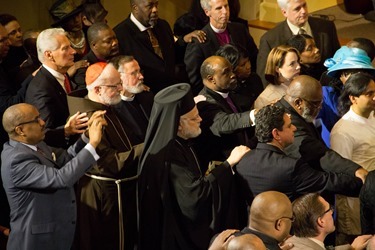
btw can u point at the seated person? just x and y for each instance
(314, 221)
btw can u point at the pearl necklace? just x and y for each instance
(80, 44)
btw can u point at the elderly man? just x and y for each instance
(219, 32)
(181, 207)
(103, 46)
(39, 181)
(297, 22)
(224, 125)
(48, 89)
(150, 40)
(293, 177)
(106, 194)
(136, 104)
(303, 100)
(352, 137)
(270, 219)
(314, 221)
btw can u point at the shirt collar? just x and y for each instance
(360, 119)
(318, 242)
(60, 77)
(224, 95)
(295, 28)
(33, 147)
(140, 26)
(127, 99)
(216, 30)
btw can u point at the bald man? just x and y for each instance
(270, 219)
(303, 101)
(246, 242)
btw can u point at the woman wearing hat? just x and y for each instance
(344, 63)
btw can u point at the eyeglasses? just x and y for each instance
(331, 208)
(314, 104)
(113, 86)
(134, 73)
(292, 219)
(36, 120)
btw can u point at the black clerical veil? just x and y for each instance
(169, 104)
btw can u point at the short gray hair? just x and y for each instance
(205, 4)
(47, 40)
(283, 4)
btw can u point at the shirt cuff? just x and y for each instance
(85, 138)
(252, 117)
(92, 150)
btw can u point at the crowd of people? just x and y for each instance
(144, 137)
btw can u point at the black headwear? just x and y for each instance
(62, 10)
(169, 104)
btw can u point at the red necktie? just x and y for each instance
(67, 84)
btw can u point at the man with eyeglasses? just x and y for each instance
(268, 167)
(107, 193)
(313, 222)
(303, 101)
(136, 100)
(270, 219)
(39, 180)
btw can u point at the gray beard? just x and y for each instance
(110, 101)
(306, 115)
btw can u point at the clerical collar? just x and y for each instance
(224, 95)
(127, 98)
(140, 26)
(295, 29)
(216, 30)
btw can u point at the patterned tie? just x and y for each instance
(155, 43)
(231, 104)
(302, 31)
(67, 84)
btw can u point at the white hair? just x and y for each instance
(283, 4)
(205, 4)
(47, 40)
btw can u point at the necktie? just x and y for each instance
(302, 31)
(155, 43)
(67, 84)
(231, 104)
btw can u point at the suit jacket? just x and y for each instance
(269, 242)
(197, 52)
(41, 195)
(309, 146)
(49, 97)
(323, 31)
(158, 72)
(307, 244)
(288, 175)
(222, 129)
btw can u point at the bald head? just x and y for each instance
(246, 242)
(15, 115)
(271, 213)
(304, 86)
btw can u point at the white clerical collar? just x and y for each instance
(295, 28)
(140, 26)
(127, 99)
(216, 30)
(318, 242)
(224, 95)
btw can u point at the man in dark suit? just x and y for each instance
(303, 101)
(218, 32)
(48, 89)
(39, 182)
(297, 22)
(103, 46)
(224, 125)
(293, 177)
(136, 101)
(150, 40)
